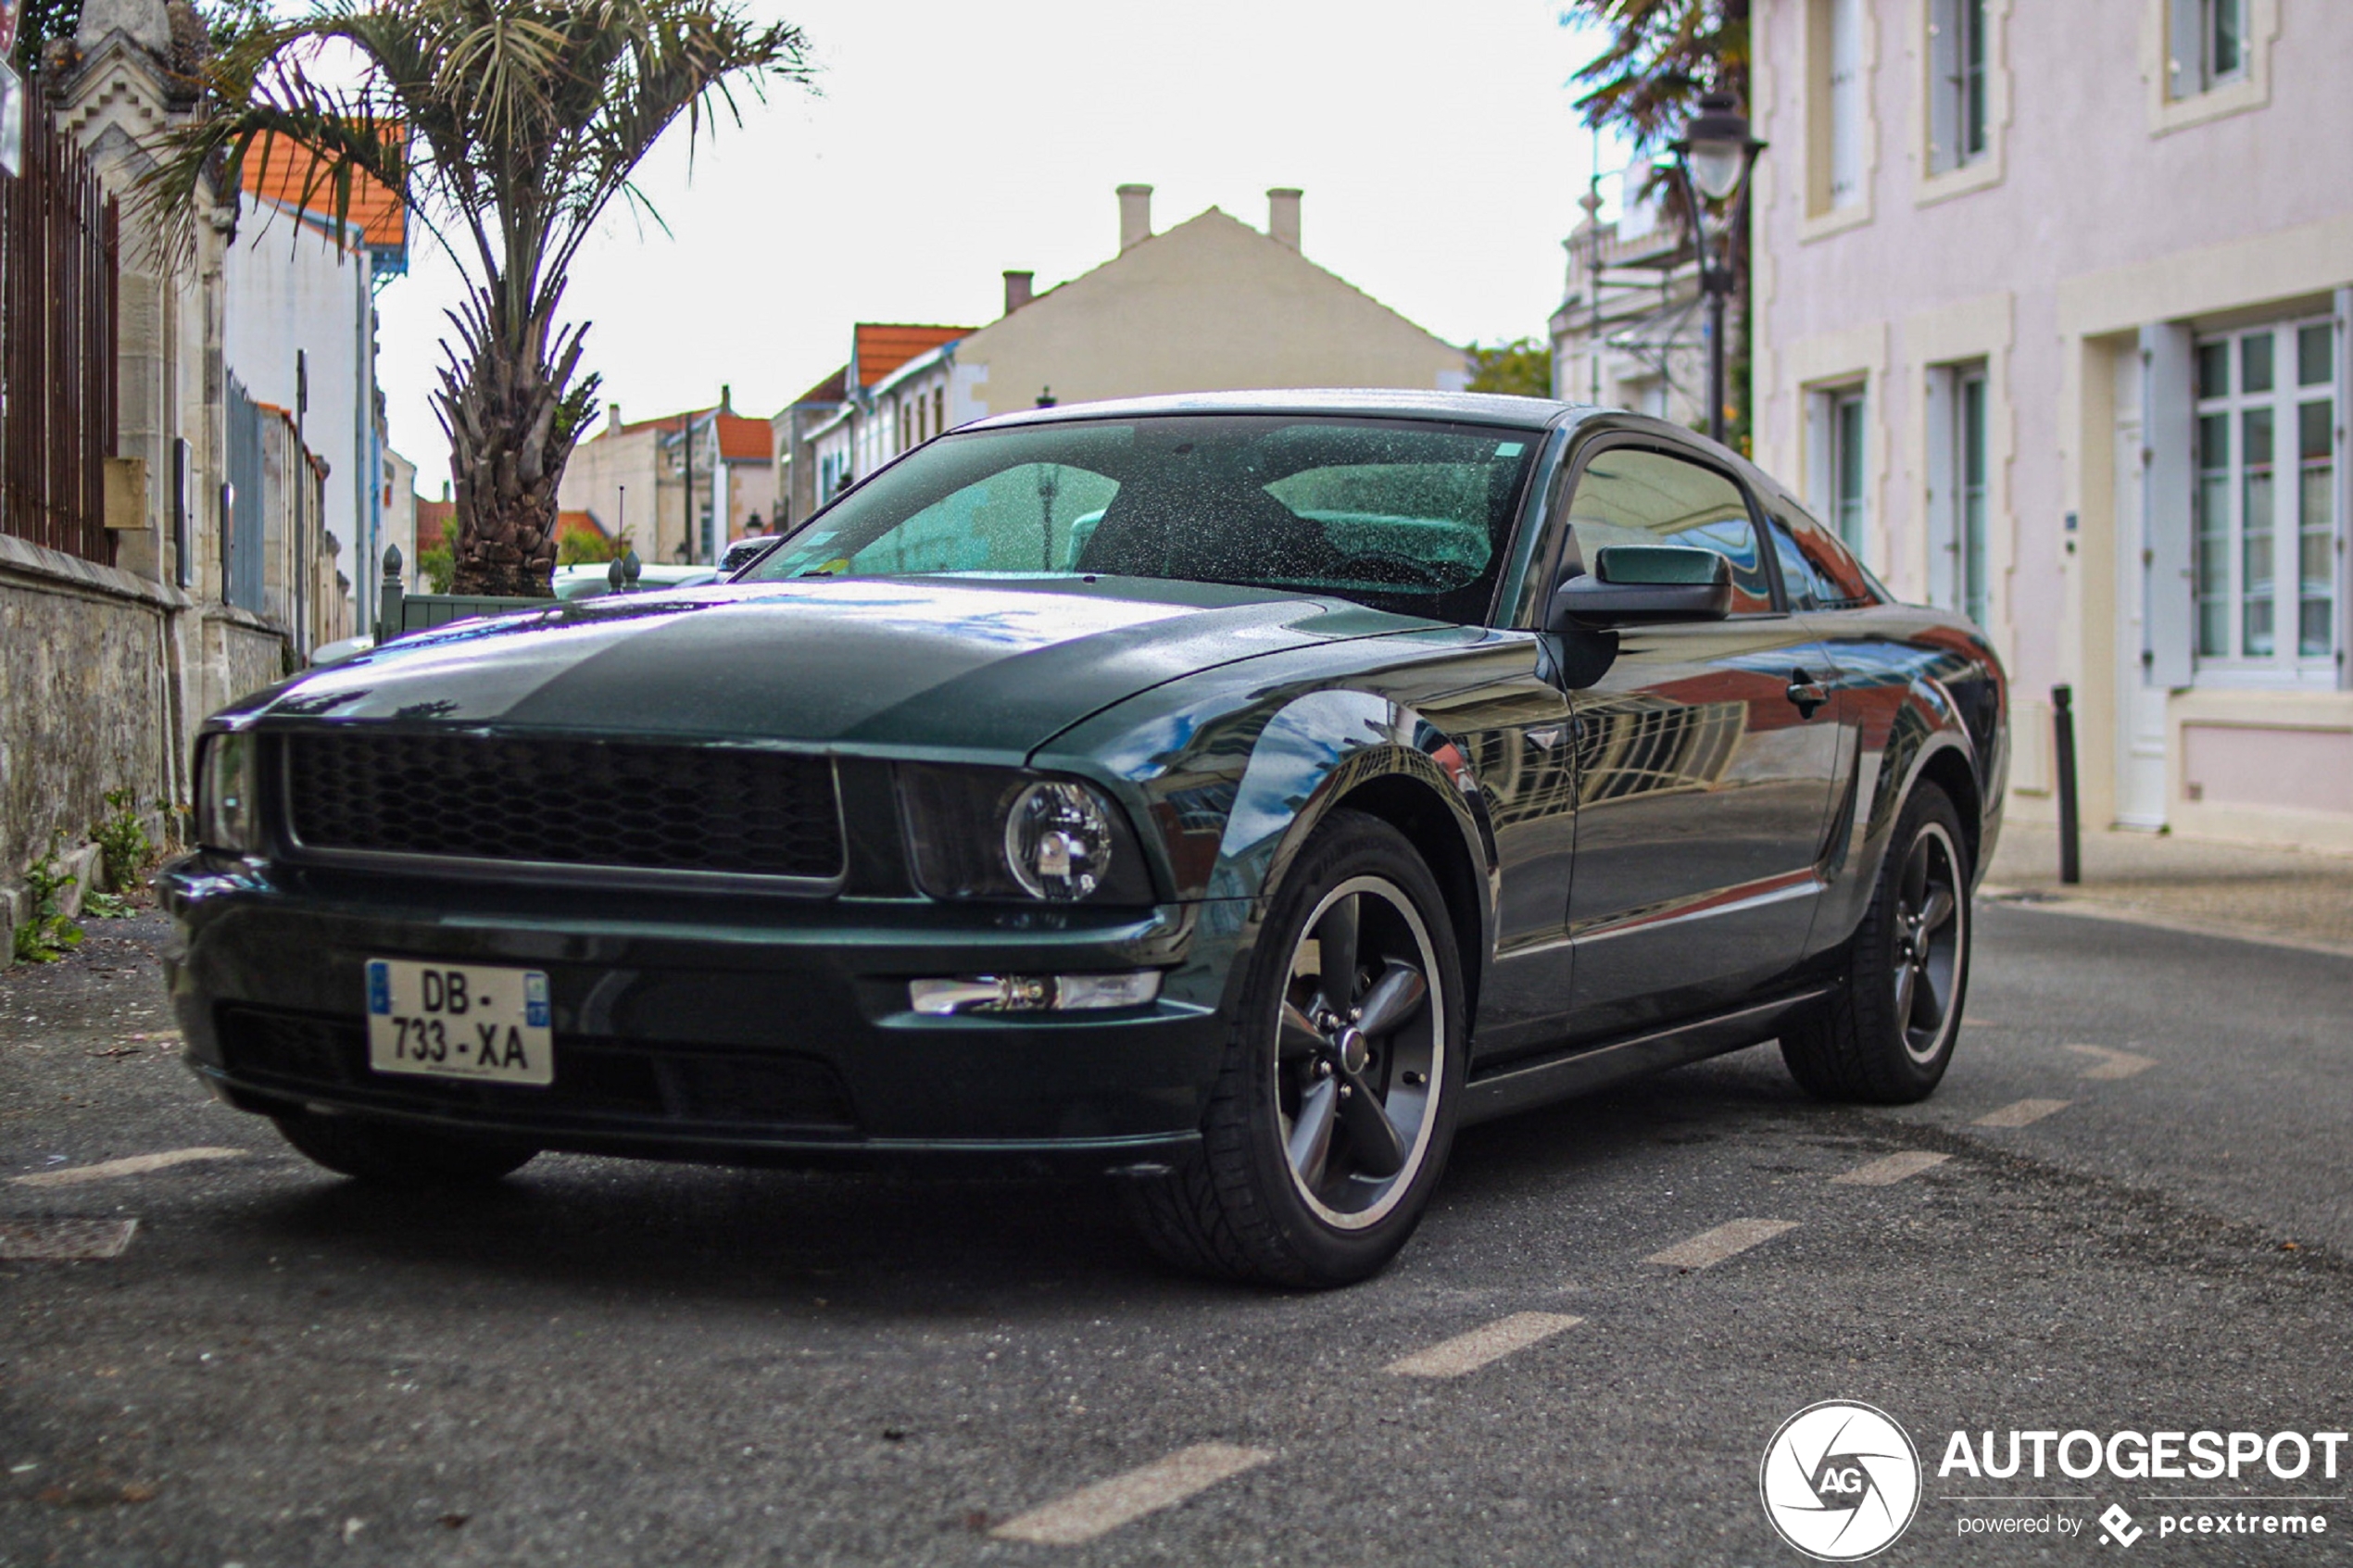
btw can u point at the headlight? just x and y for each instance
(225, 810)
(999, 833)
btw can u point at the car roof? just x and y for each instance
(1469, 408)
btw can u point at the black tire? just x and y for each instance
(1288, 1186)
(396, 1156)
(1856, 1046)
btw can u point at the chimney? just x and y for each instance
(1135, 215)
(612, 417)
(1017, 290)
(727, 398)
(1282, 216)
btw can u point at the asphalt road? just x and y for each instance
(615, 1364)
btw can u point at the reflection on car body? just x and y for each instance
(1236, 794)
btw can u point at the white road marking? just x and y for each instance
(1105, 1505)
(1467, 1353)
(2024, 1112)
(1711, 1247)
(2112, 1064)
(1895, 1168)
(137, 1164)
(55, 1241)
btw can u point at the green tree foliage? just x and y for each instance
(1522, 369)
(508, 127)
(584, 548)
(438, 562)
(37, 24)
(1661, 55)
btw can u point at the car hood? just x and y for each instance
(953, 664)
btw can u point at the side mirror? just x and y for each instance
(1643, 585)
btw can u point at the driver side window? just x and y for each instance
(1628, 496)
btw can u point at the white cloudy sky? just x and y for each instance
(947, 140)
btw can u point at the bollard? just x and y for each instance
(2063, 757)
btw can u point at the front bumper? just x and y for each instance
(709, 1026)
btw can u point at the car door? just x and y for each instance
(1705, 759)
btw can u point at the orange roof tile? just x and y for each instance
(833, 389)
(744, 440)
(881, 347)
(741, 439)
(280, 170)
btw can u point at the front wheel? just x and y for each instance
(1885, 1036)
(1331, 1121)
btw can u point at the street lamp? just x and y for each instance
(1713, 159)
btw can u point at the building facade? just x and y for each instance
(2051, 306)
(1631, 329)
(1210, 305)
(632, 478)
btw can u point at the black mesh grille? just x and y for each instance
(566, 802)
(272, 1047)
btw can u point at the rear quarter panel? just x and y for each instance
(1920, 692)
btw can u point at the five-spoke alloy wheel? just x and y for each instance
(1332, 1116)
(1360, 1044)
(1885, 1034)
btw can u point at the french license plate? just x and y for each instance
(453, 1021)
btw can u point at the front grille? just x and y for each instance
(626, 805)
(274, 1048)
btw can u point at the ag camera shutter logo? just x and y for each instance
(1841, 1481)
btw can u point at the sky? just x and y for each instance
(942, 143)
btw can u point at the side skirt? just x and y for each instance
(1521, 1086)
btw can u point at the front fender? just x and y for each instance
(1236, 795)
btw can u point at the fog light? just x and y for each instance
(1034, 993)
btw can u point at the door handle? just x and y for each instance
(1807, 692)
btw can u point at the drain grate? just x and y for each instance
(58, 1241)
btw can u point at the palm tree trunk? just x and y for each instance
(511, 420)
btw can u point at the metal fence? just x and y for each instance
(59, 250)
(244, 505)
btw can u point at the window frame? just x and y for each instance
(1553, 546)
(2282, 405)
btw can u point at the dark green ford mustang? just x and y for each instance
(1236, 794)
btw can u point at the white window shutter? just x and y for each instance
(1943, 492)
(1944, 92)
(2169, 476)
(1846, 101)
(1821, 485)
(2185, 49)
(2344, 490)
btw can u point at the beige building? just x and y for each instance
(2051, 312)
(1211, 305)
(632, 478)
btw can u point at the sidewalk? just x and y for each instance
(2280, 894)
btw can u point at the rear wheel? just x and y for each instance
(1885, 1036)
(1330, 1124)
(397, 1156)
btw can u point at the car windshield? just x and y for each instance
(1407, 514)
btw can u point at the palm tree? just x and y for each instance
(508, 127)
(1661, 55)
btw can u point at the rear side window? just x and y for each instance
(1815, 568)
(1628, 496)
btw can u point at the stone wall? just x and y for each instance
(85, 702)
(96, 689)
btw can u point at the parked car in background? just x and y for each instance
(1369, 763)
(741, 553)
(590, 581)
